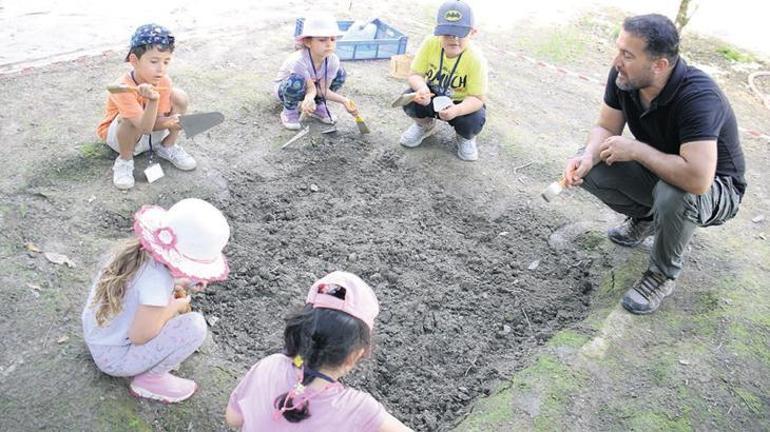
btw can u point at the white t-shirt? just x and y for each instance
(152, 285)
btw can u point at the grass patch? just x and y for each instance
(591, 240)
(620, 278)
(548, 382)
(564, 45)
(734, 55)
(120, 415)
(653, 421)
(489, 414)
(556, 381)
(569, 339)
(752, 402)
(94, 150)
(661, 368)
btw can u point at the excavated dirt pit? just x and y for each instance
(462, 298)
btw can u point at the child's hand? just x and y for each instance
(172, 123)
(147, 91)
(181, 304)
(183, 284)
(351, 107)
(308, 105)
(449, 113)
(423, 96)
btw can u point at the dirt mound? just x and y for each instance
(463, 295)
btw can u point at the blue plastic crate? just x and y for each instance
(387, 42)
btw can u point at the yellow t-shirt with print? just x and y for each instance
(470, 78)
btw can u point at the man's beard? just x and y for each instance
(628, 85)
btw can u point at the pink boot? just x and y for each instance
(162, 387)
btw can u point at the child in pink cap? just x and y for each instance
(299, 389)
(133, 323)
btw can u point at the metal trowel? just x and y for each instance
(405, 99)
(298, 135)
(193, 124)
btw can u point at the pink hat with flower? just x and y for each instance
(359, 299)
(188, 238)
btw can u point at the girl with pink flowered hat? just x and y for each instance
(299, 389)
(133, 323)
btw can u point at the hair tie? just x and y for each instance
(298, 361)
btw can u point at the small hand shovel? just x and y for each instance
(405, 99)
(300, 134)
(193, 124)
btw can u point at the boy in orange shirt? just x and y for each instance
(148, 116)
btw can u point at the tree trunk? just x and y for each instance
(683, 16)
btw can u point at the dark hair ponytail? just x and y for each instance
(323, 338)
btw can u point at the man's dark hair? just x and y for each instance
(658, 32)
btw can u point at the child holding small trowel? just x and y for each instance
(137, 321)
(312, 75)
(449, 77)
(143, 108)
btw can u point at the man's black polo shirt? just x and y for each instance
(691, 107)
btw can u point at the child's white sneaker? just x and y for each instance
(123, 173)
(177, 156)
(416, 133)
(466, 149)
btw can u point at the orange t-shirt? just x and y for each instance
(129, 105)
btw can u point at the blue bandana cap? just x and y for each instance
(152, 34)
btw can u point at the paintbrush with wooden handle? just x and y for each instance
(554, 189)
(362, 127)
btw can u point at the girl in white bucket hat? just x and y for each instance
(312, 74)
(136, 323)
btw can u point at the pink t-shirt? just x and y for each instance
(338, 409)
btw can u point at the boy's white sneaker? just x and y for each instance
(416, 133)
(177, 156)
(466, 149)
(123, 173)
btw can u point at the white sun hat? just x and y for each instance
(188, 238)
(321, 25)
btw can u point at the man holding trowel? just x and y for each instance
(448, 81)
(684, 167)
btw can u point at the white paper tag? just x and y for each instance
(153, 172)
(441, 103)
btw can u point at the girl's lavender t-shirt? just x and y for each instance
(338, 409)
(299, 63)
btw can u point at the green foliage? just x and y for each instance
(734, 55)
